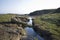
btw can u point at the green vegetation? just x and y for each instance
(6, 17)
(50, 23)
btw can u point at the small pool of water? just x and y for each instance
(32, 35)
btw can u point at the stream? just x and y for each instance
(31, 34)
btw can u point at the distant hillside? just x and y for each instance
(57, 10)
(46, 11)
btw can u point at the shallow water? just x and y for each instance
(32, 35)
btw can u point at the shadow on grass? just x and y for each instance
(7, 22)
(10, 23)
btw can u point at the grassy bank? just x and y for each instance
(6, 17)
(50, 23)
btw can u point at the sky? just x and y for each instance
(27, 6)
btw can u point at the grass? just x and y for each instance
(51, 23)
(6, 17)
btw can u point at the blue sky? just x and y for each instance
(27, 6)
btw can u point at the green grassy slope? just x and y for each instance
(6, 17)
(50, 23)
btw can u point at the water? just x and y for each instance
(30, 21)
(31, 34)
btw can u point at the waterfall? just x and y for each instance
(30, 21)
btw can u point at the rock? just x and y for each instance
(22, 31)
(11, 32)
(14, 30)
(19, 20)
(8, 36)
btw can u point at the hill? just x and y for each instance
(46, 11)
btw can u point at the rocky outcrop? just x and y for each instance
(11, 32)
(23, 20)
(8, 35)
